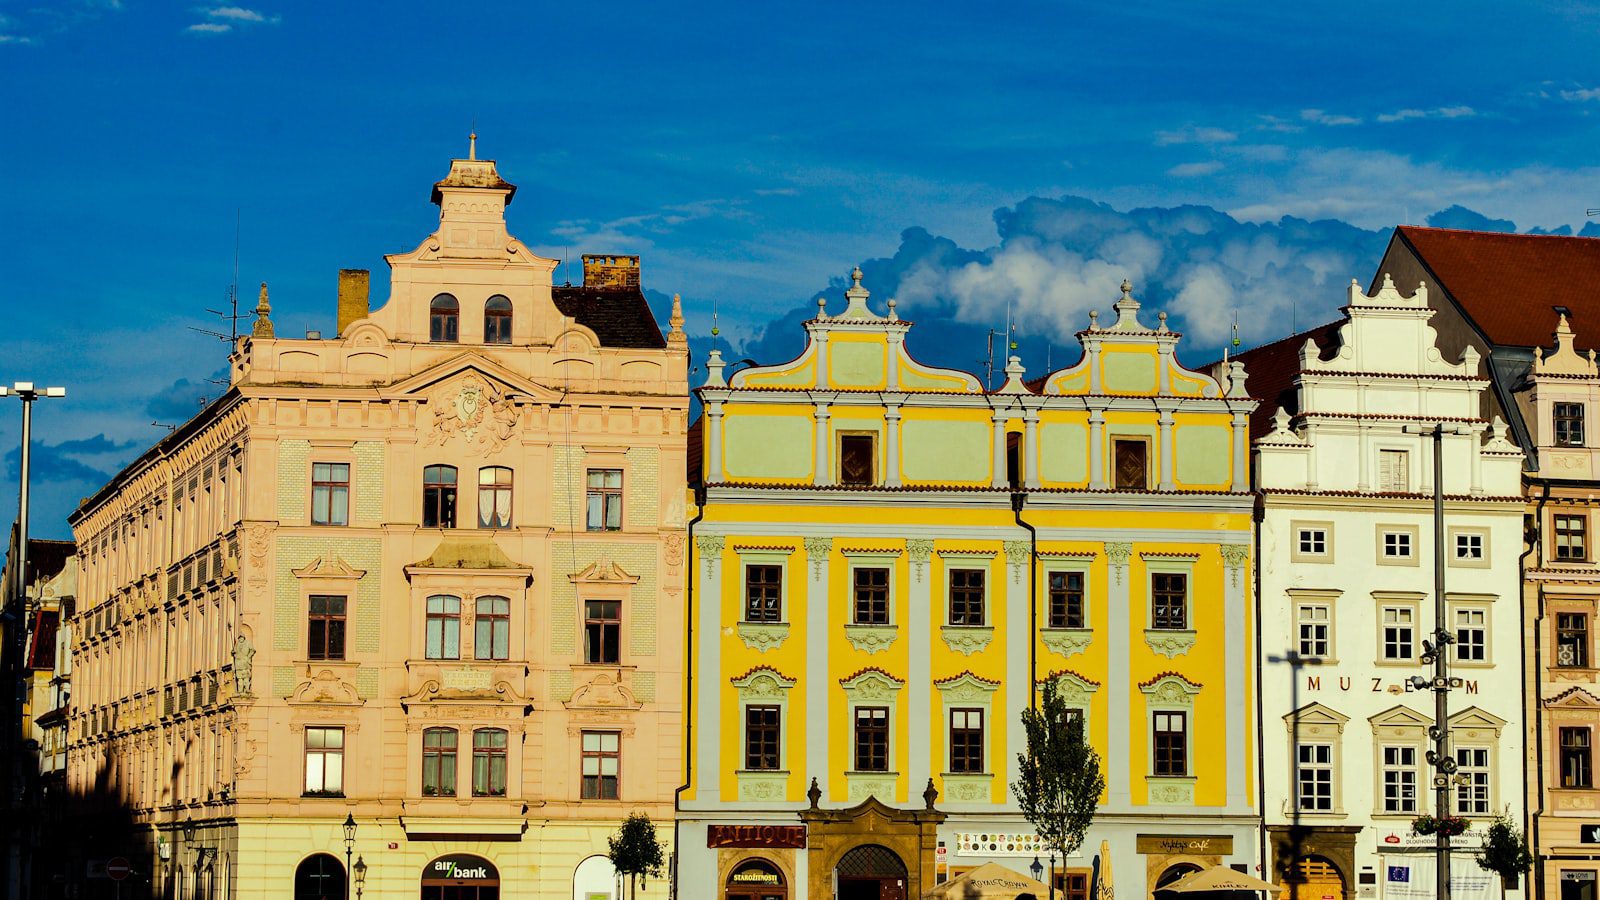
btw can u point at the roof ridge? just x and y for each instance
(1498, 234)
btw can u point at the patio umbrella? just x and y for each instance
(990, 880)
(1104, 890)
(1218, 878)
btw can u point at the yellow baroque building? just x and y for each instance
(886, 557)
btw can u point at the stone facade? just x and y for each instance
(371, 580)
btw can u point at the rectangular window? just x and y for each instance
(1472, 781)
(1312, 542)
(1472, 635)
(1169, 601)
(1577, 765)
(489, 762)
(494, 497)
(1394, 471)
(444, 627)
(872, 739)
(439, 497)
(763, 593)
(491, 625)
(1397, 545)
(857, 459)
(1132, 465)
(871, 595)
(325, 761)
(605, 500)
(1170, 744)
(601, 762)
(602, 632)
(1314, 777)
(1572, 640)
(966, 596)
(330, 493)
(1066, 600)
(1569, 424)
(1312, 621)
(1399, 779)
(325, 628)
(1399, 633)
(1572, 537)
(1469, 546)
(966, 741)
(439, 762)
(761, 736)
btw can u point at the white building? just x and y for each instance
(1346, 565)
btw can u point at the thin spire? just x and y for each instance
(675, 333)
(472, 141)
(263, 325)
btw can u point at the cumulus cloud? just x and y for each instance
(1190, 170)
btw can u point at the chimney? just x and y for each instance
(610, 272)
(353, 286)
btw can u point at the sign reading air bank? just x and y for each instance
(461, 868)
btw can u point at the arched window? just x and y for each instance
(1171, 876)
(755, 879)
(439, 762)
(319, 877)
(444, 319)
(489, 762)
(497, 320)
(494, 497)
(444, 627)
(439, 497)
(492, 628)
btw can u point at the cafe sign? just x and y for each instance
(1191, 844)
(770, 836)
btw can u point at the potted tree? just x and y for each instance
(1505, 851)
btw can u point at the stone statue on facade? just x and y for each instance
(243, 654)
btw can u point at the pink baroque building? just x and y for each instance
(422, 576)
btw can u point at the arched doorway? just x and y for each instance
(460, 876)
(871, 872)
(319, 877)
(595, 879)
(1313, 878)
(1171, 875)
(756, 879)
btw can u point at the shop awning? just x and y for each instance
(990, 880)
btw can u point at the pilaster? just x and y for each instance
(1118, 676)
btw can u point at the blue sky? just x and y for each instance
(974, 158)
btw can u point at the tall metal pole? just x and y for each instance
(1441, 676)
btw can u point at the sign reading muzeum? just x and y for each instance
(886, 556)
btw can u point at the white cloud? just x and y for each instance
(1322, 117)
(1274, 123)
(1191, 170)
(1581, 94)
(1443, 112)
(1195, 135)
(222, 19)
(235, 13)
(209, 28)
(15, 39)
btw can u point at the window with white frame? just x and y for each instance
(1469, 546)
(1313, 622)
(1398, 633)
(1568, 419)
(325, 761)
(1472, 781)
(1394, 471)
(1314, 777)
(1313, 541)
(1472, 634)
(1399, 779)
(1396, 545)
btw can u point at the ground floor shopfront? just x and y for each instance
(1378, 861)
(307, 859)
(876, 852)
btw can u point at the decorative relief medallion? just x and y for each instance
(817, 550)
(1171, 792)
(871, 638)
(877, 784)
(1067, 641)
(871, 686)
(476, 410)
(710, 547)
(1017, 553)
(966, 639)
(672, 554)
(919, 550)
(326, 687)
(967, 788)
(763, 636)
(1234, 557)
(762, 785)
(1170, 644)
(258, 540)
(1170, 690)
(1117, 553)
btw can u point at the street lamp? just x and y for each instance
(1037, 868)
(361, 875)
(349, 847)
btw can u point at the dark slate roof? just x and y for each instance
(697, 449)
(620, 317)
(1507, 284)
(1271, 370)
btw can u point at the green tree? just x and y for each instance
(1061, 779)
(635, 852)
(1505, 850)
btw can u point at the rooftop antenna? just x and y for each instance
(714, 329)
(1234, 342)
(232, 316)
(988, 362)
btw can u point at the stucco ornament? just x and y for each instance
(710, 547)
(1234, 557)
(966, 688)
(1017, 553)
(966, 639)
(870, 638)
(244, 654)
(871, 686)
(1117, 553)
(763, 636)
(919, 549)
(817, 550)
(476, 410)
(967, 788)
(1067, 641)
(1168, 643)
(1170, 690)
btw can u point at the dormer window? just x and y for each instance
(1569, 424)
(444, 320)
(497, 320)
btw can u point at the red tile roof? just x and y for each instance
(1507, 284)
(1271, 369)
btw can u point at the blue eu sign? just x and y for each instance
(1400, 874)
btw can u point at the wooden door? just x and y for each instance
(1132, 465)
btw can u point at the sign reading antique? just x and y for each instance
(781, 836)
(1198, 844)
(461, 867)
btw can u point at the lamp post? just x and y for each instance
(349, 848)
(177, 857)
(1037, 868)
(11, 653)
(360, 870)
